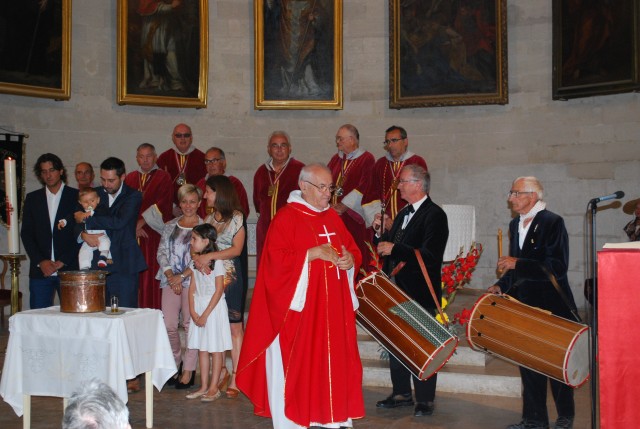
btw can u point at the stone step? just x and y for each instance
(498, 378)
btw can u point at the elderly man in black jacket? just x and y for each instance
(538, 245)
(420, 225)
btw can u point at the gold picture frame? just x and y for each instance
(308, 75)
(35, 58)
(596, 48)
(447, 53)
(163, 53)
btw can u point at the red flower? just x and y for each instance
(458, 272)
(463, 317)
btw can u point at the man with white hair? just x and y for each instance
(95, 406)
(302, 318)
(538, 245)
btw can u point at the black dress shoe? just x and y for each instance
(423, 409)
(180, 385)
(395, 401)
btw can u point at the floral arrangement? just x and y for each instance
(455, 276)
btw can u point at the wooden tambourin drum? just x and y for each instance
(530, 337)
(82, 291)
(403, 327)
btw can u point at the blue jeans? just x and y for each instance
(41, 291)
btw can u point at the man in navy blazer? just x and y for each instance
(537, 238)
(420, 225)
(49, 249)
(124, 204)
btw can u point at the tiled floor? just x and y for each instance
(172, 410)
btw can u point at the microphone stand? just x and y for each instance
(594, 319)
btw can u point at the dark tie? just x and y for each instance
(410, 208)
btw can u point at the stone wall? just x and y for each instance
(580, 149)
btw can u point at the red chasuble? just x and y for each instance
(270, 192)
(237, 185)
(381, 188)
(192, 165)
(354, 177)
(321, 363)
(153, 186)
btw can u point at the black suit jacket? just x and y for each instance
(427, 231)
(120, 224)
(546, 243)
(37, 235)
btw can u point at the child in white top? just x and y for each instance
(211, 334)
(89, 200)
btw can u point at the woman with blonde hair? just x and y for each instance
(174, 257)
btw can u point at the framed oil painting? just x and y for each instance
(163, 52)
(12, 145)
(447, 53)
(595, 48)
(35, 48)
(298, 54)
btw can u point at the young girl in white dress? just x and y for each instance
(211, 334)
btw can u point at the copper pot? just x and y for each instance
(82, 291)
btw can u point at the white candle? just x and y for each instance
(11, 190)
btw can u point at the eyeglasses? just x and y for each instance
(323, 187)
(340, 138)
(209, 161)
(181, 135)
(516, 194)
(278, 146)
(387, 142)
(407, 181)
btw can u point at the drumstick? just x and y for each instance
(499, 243)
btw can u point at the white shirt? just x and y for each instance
(409, 215)
(53, 201)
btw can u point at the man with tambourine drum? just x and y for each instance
(538, 252)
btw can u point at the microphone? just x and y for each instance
(614, 196)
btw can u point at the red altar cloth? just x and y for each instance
(618, 337)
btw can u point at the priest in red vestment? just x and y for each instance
(351, 171)
(215, 162)
(154, 211)
(184, 162)
(272, 184)
(383, 188)
(302, 317)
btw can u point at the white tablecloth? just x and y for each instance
(51, 353)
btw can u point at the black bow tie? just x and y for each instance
(410, 208)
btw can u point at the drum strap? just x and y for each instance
(433, 292)
(554, 282)
(564, 297)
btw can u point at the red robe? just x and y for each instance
(192, 164)
(266, 205)
(237, 185)
(321, 362)
(384, 173)
(354, 177)
(154, 191)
